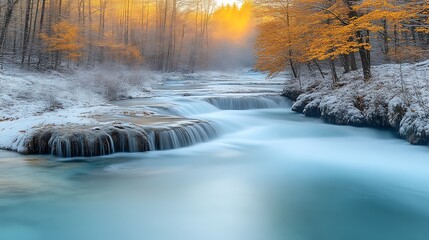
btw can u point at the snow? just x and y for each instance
(29, 100)
(397, 97)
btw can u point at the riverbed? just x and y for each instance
(272, 174)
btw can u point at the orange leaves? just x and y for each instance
(272, 47)
(64, 39)
(282, 32)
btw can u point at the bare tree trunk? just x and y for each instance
(192, 59)
(172, 38)
(365, 56)
(57, 54)
(182, 38)
(385, 38)
(146, 29)
(320, 69)
(333, 71)
(352, 58)
(42, 17)
(162, 40)
(26, 31)
(8, 16)
(292, 66)
(33, 34)
(89, 33)
(345, 60)
(101, 27)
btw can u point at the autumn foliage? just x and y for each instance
(296, 32)
(64, 39)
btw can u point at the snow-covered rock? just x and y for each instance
(108, 138)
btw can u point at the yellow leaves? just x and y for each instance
(369, 5)
(283, 31)
(423, 29)
(64, 39)
(330, 42)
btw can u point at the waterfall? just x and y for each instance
(246, 103)
(191, 107)
(185, 108)
(85, 141)
(81, 141)
(185, 135)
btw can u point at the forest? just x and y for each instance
(187, 35)
(347, 33)
(165, 35)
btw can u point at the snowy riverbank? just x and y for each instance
(396, 98)
(51, 111)
(29, 100)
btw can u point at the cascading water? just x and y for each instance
(247, 103)
(85, 141)
(184, 107)
(187, 107)
(185, 135)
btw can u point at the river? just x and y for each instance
(272, 174)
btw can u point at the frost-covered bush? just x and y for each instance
(134, 79)
(115, 84)
(112, 89)
(52, 103)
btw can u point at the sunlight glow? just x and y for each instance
(233, 25)
(230, 2)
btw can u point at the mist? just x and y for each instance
(226, 56)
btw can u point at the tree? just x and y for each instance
(64, 40)
(10, 5)
(279, 44)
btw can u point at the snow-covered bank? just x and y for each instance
(44, 112)
(29, 100)
(396, 98)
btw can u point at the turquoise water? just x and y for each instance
(272, 175)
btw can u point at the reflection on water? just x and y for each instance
(274, 175)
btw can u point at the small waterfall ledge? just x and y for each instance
(248, 102)
(192, 107)
(110, 138)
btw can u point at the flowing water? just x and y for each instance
(271, 174)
